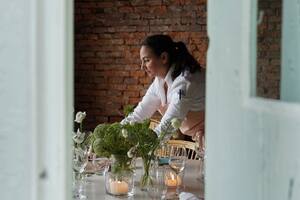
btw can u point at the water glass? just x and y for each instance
(79, 192)
(177, 161)
(157, 189)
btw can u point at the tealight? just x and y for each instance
(172, 180)
(118, 187)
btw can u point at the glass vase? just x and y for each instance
(121, 184)
(146, 179)
(119, 179)
(157, 189)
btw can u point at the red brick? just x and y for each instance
(134, 101)
(130, 81)
(145, 80)
(126, 9)
(159, 10)
(116, 87)
(142, 93)
(101, 119)
(85, 67)
(154, 2)
(137, 2)
(134, 87)
(115, 79)
(115, 119)
(131, 94)
(138, 73)
(87, 54)
(105, 4)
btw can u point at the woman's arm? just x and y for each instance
(146, 108)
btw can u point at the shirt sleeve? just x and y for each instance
(184, 93)
(146, 108)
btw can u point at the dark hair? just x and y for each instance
(177, 52)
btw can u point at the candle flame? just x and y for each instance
(172, 176)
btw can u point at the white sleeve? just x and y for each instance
(183, 96)
(146, 108)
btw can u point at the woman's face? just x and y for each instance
(154, 65)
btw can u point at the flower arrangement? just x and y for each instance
(124, 142)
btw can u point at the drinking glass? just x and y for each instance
(157, 189)
(177, 161)
(80, 160)
(200, 151)
(96, 165)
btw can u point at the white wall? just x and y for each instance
(16, 138)
(290, 56)
(36, 99)
(253, 150)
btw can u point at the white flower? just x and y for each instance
(131, 123)
(79, 117)
(130, 153)
(175, 123)
(79, 137)
(124, 133)
(112, 157)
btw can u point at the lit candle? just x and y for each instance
(118, 187)
(172, 180)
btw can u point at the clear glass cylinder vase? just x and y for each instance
(119, 179)
(145, 180)
(157, 188)
(121, 184)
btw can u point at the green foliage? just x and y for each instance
(108, 140)
(100, 130)
(121, 164)
(141, 134)
(128, 109)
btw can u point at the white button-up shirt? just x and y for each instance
(186, 93)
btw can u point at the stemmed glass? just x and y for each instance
(200, 150)
(80, 160)
(177, 161)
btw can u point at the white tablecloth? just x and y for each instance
(95, 189)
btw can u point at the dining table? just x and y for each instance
(192, 184)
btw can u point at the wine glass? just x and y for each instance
(200, 151)
(177, 161)
(80, 160)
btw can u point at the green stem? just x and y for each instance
(146, 179)
(81, 125)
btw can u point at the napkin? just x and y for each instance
(187, 196)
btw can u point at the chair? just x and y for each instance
(189, 146)
(153, 123)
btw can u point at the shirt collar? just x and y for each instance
(168, 77)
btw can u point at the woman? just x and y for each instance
(178, 89)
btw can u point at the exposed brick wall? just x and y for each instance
(107, 38)
(268, 49)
